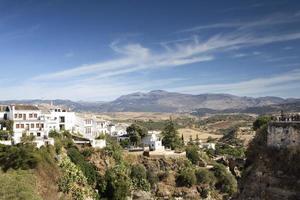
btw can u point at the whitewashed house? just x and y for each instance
(27, 120)
(153, 141)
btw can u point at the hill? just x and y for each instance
(172, 102)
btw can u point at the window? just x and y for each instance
(30, 115)
(16, 115)
(88, 130)
(62, 119)
(20, 115)
(22, 125)
(32, 125)
(42, 125)
(38, 134)
(17, 125)
(37, 125)
(35, 115)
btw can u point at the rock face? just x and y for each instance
(271, 172)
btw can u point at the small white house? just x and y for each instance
(153, 141)
(98, 143)
(207, 146)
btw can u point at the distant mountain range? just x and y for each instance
(163, 101)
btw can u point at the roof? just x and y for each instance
(26, 107)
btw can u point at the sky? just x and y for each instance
(99, 50)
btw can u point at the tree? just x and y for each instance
(186, 178)
(261, 121)
(118, 183)
(192, 154)
(139, 177)
(225, 180)
(170, 136)
(135, 133)
(204, 176)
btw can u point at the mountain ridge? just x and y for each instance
(164, 101)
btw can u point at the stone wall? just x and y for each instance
(283, 134)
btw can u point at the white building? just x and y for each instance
(27, 121)
(31, 120)
(153, 141)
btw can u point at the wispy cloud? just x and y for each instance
(274, 19)
(258, 86)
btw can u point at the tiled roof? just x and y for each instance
(26, 107)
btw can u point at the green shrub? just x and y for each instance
(204, 176)
(192, 154)
(261, 121)
(73, 181)
(88, 169)
(152, 177)
(18, 157)
(138, 176)
(204, 192)
(186, 178)
(118, 183)
(226, 182)
(113, 149)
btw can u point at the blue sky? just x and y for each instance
(99, 50)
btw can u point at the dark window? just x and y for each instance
(62, 119)
(38, 134)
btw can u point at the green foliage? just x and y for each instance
(18, 184)
(18, 157)
(192, 154)
(204, 192)
(54, 134)
(225, 149)
(125, 143)
(9, 124)
(230, 136)
(225, 180)
(113, 149)
(88, 169)
(204, 176)
(135, 133)
(170, 136)
(101, 136)
(186, 178)
(118, 183)
(5, 135)
(152, 177)
(138, 176)
(261, 121)
(73, 181)
(27, 139)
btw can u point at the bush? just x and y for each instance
(139, 177)
(18, 157)
(73, 181)
(192, 154)
(261, 121)
(152, 177)
(186, 178)
(118, 183)
(225, 180)
(114, 149)
(204, 176)
(88, 169)
(204, 192)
